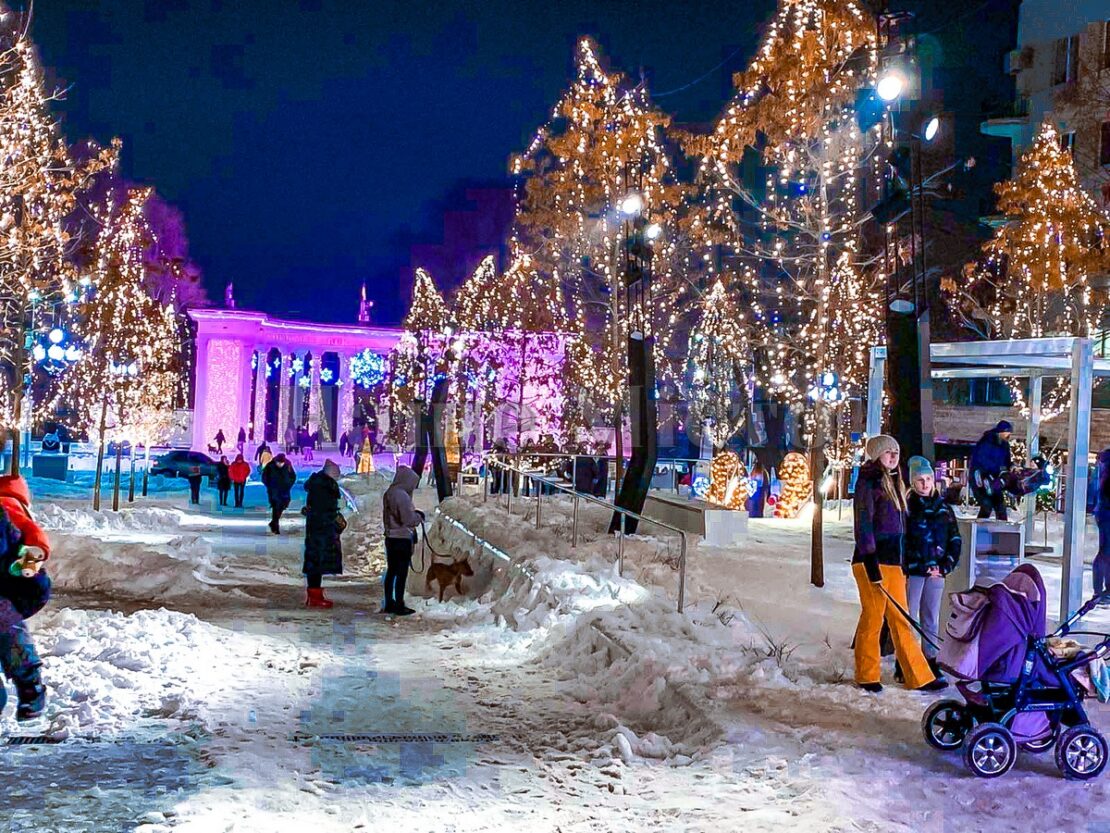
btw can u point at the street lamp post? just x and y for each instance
(643, 418)
(907, 315)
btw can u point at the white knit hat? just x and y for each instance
(879, 445)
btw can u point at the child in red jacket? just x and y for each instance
(24, 591)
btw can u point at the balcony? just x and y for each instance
(1009, 122)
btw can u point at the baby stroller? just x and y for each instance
(1016, 692)
(1024, 481)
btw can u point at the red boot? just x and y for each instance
(316, 598)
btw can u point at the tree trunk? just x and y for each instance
(817, 452)
(100, 456)
(131, 481)
(115, 485)
(146, 468)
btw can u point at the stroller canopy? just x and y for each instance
(987, 631)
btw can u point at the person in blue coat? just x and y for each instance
(990, 461)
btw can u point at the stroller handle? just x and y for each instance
(1088, 606)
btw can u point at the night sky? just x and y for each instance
(309, 143)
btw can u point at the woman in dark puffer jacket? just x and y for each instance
(880, 526)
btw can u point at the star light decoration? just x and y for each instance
(605, 140)
(1034, 279)
(40, 180)
(795, 253)
(124, 386)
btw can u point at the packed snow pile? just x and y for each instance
(656, 676)
(363, 540)
(105, 672)
(178, 567)
(80, 520)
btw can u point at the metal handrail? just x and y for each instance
(573, 455)
(624, 513)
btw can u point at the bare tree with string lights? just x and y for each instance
(792, 243)
(122, 389)
(40, 181)
(1034, 278)
(602, 156)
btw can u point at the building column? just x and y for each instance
(285, 394)
(346, 410)
(260, 395)
(316, 401)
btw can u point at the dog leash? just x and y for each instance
(424, 543)
(910, 619)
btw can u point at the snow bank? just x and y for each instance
(134, 554)
(363, 540)
(173, 569)
(105, 671)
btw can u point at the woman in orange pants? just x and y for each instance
(880, 525)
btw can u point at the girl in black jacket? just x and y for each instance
(932, 551)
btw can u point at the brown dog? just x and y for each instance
(448, 574)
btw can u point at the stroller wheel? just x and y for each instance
(1081, 753)
(945, 724)
(990, 750)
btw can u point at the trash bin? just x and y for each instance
(991, 550)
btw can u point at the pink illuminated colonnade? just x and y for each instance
(227, 373)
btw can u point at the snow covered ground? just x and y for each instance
(195, 694)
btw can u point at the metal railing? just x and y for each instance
(542, 480)
(573, 456)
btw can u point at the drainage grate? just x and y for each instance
(32, 740)
(442, 737)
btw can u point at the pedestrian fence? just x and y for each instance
(542, 480)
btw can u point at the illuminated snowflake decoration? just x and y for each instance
(304, 381)
(701, 486)
(367, 369)
(327, 375)
(298, 365)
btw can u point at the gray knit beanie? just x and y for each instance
(878, 445)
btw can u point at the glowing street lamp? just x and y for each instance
(632, 204)
(891, 85)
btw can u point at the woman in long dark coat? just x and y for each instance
(323, 554)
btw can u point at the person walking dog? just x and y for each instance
(400, 519)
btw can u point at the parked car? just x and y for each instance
(180, 463)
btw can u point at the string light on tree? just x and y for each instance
(794, 475)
